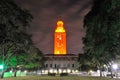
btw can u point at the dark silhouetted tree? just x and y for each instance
(102, 40)
(15, 43)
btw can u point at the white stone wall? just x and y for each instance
(61, 64)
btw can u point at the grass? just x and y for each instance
(57, 78)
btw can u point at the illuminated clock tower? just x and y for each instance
(60, 61)
(60, 39)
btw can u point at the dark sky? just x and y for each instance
(46, 13)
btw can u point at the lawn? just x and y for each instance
(57, 78)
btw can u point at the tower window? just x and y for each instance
(51, 65)
(73, 65)
(68, 65)
(55, 66)
(46, 65)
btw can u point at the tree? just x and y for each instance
(13, 24)
(15, 43)
(35, 60)
(102, 40)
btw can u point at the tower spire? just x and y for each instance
(60, 27)
(60, 39)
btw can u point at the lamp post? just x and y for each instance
(114, 68)
(3, 57)
(1, 67)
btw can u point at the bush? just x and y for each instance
(64, 74)
(51, 74)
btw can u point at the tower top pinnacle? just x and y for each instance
(60, 27)
(60, 23)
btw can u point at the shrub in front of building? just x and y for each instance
(51, 74)
(64, 74)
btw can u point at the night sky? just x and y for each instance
(46, 13)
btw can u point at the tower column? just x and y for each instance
(60, 39)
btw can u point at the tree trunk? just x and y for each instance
(100, 73)
(111, 73)
(100, 68)
(2, 75)
(15, 73)
(36, 71)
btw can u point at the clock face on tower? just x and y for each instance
(60, 39)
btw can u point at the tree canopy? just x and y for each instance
(15, 44)
(102, 40)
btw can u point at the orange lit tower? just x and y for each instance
(60, 39)
(60, 60)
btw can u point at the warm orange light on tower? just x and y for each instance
(60, 39)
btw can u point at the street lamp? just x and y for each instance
(115, 66)
(1, 67)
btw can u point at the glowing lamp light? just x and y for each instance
(51, 70)
(42, 71)
(90, 71)
(10, 71)
(55, 71)
(1, 66)
(115, 66)
(76, 71)
(98, 71)
(46, 71)
(60, 71)
(64, 71)
(25, 71)
(68, 70)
